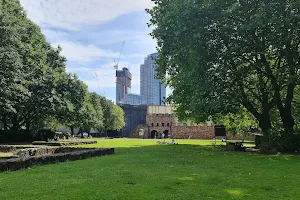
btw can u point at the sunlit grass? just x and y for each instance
(4, 155)
(143, 169)
(127, 143)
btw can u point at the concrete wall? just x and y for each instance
(134, 116)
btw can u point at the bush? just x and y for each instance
(281, 141)
(258, 140)
(44, 135)
(67, 135)
(15, 136)
(60, 135)
(289, 143)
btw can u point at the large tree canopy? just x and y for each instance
(34, 85)
(220, 55)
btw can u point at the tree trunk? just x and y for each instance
(285, 108)
(288, 121)
(72, 130)
(15, 124)
(4, 123)
(27, 128)
(264, 122)
(263, 118)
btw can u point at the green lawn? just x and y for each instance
(141, 169)
(4, 155)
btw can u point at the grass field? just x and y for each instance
(141, 169)
(3, 155)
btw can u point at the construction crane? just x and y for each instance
(96, 76)
(117, 63)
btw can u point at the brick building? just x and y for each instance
(162, 122)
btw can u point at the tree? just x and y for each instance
(108, 120)
(242, 123)
(72, 102)
(30, 70)
(220, 55)
(95, 100)
(34, 85)
(118, 118)
(296, 107)
(113, 116)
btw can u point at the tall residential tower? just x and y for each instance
(152, 91)
(123, 84)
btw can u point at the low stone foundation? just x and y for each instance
(59, 155)
(11, 148)
(65, 142)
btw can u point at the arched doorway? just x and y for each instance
(154, 134)
(166, 132)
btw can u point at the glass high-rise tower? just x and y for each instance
(151, 90)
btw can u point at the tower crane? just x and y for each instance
(117, 63)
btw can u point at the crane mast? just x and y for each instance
(117, 63)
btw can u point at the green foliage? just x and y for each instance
(219, 55)
(281, 141)
(44, 135)
(36, 91)
(9, 136)
(113, 116)
(28, 76)
(96, 102)
(118, 118)
(242, 123)
(296, 108)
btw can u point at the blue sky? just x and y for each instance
(91, 33)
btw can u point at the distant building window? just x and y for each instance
(168, 124)
(163, 124)
(157, 124)
(152, 124)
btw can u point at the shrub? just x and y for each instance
(258, 140)
(44, 135)
(289, 143)
(67, 135)
(281, 141)
(15, 136)
(59, 134)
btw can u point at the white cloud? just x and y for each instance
(75, 25)
(72, 14)
(140, 40)
(105, 75)
(77, 52)
(55, 36)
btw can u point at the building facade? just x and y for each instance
(133, 99)
(161, 122)
(152, 91)
(123, 84)
(135, 115)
